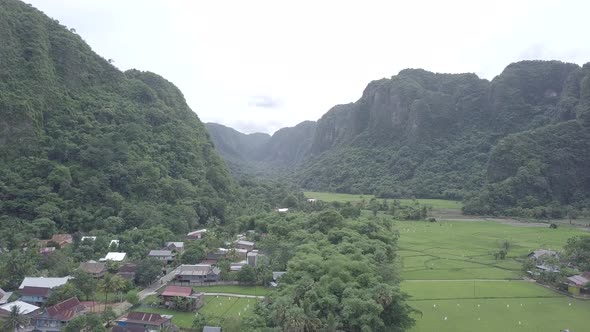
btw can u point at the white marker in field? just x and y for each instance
(478, 318)
(434, 305)
(478, 305)
(445, 317)
(570, 304)
(508, 306)
(519, 323)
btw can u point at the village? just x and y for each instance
(44, 303)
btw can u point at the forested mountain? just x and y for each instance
(454, 136)
(85, 146)
(261, 154)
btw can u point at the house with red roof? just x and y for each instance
(141, 321)
(190, 299)
(56, 317)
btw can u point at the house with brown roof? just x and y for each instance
(177, 247)
(35, 295)
(170, 295)
(56, 317)
(62, 239)
(96, 269)
(135, 321)
(127, 271)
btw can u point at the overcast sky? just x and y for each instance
(262, 65)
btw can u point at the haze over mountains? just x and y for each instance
(524, 134)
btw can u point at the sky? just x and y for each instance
(258, 66)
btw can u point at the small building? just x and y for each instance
(134, 320)
(43, 282)
(127, 271)
(114, 256)
(162, 255)
(220, 253)
(234, 267)
(56, 317)
(46, 250)
(252, 257)
(196, 235)
(211, 329)
(243, 244)
(197, 273)
(24, 308)
(114, 244)
(195, 300)
(4, 296)
(96, 269)
(577, 283)
(35, 295)
(88, 238)
(283, 210)
(542, 253)
(311, 200)
(175, 247)
(275, 278)
(62, 240)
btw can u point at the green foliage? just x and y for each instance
(89, 322)
(132, 297)
(63, 293)
(148, 270)
(340, 272)
(247, 274)
(577, 251)
(84, 282)
(193, 253)
(84, 146)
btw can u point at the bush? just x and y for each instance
(431, 219)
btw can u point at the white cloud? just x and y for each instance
(311, 55)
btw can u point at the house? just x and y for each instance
(4, 296)
(62, 239)
(47, 250)
(35, 295)
(542, 253)
(24, 308)
(577, 283)
(175, 246)
(196, 300)
(96, 269)
(234, 267)
(283, 210)
(114, 244)
(275, 278)
(311, 200)
(88, 238)
(56, 317)
(211, 329)
(196, 235)
(197, 273)
(220, 253)
(127, 271)
(252, 257)
(43, 282)
(162, 255)
(141, 321)
(114, 256)
(243, 244)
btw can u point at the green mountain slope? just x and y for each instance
(435, 135)
(84, 145)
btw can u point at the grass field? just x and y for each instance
(234, 289)
(450, 272)
(217, 308)
(334, 197)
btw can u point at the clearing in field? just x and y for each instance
(456, 283)
(335, 197)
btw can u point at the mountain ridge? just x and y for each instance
(431, 135)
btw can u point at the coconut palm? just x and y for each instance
(16, 320)
(111, 283)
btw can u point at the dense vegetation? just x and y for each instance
(510, 146)
(341, 274)
(84, 146)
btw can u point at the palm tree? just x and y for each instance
(113, 283)
(16, 320)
